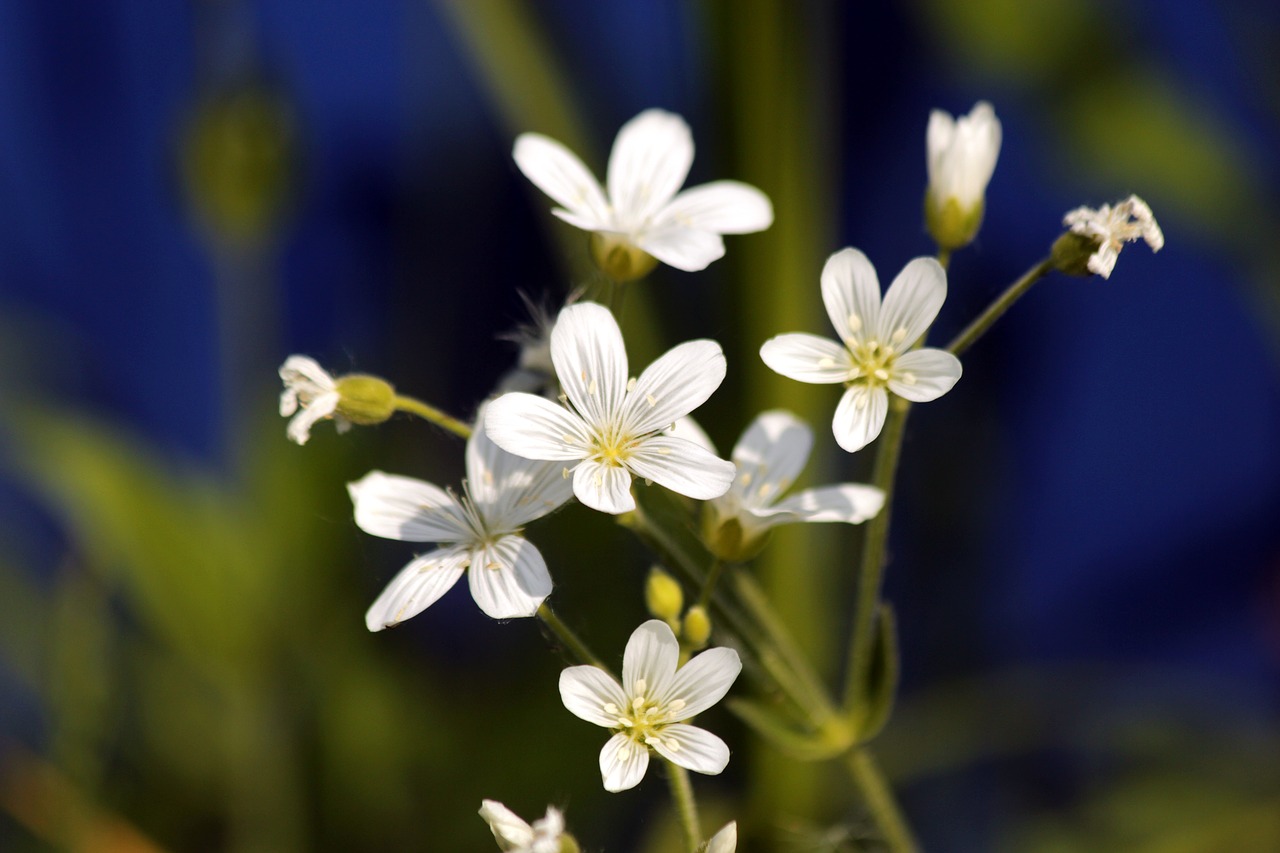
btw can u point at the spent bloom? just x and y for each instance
(646, 710)
(769, 456)
(545, 835)
(961, 157)
(641, 217)
(613, 427)
(724, 841)
(1103, 232)
(479, 530)
(311, 395)
(875, 354)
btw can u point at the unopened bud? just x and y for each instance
(619, 259)
(365, 400)
(663, 596)
(697, 627)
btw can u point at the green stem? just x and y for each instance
(978, 327)
(709, 585)
(878, 796)
(432, 414)
(686, 806)
(570, 640)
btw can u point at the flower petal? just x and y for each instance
(317, 409)
(509, 578)
(689, 429)
(848, 502)
(533, 427)
(692, 748)
(703, 681)
(590, 360)
(769, 456)
(606, 488)
(911, 303)
(587, 690)
(675, 384)
(622, 763)
(406, 509)
(851, 294)
(859, 417)
(807, 358)
(688, 249)
(724, 841)
(509, 490)
(650, 160)
(301, 369)
(418, 585)
(721, 207)
(924, 374)
(682, 467)
(651, 656)
(508, 829)
(559, 173)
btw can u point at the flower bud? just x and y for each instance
(365, 400)
(620, 260)
(1071, 252)
(663, 596)
(726, 537)
(961, 157)
(697, 628)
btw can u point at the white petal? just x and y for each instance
(535, 428)
(924, 374)
(848, 502)
(509, 578)
(418, 585)
(693, 749)
(406, 509)
(559, 173)
(682, 467)
(941, 131)
(689, 429)
(721, 207)
(590, 360)
(859, 417)
(807, 358)
(724, 841)
(300, 369)
(509, 490)
(606, 488)
(651, 656)
(911, 303)
(509, 830)
(317, 409)
(851, 294)
(649, 162)
(703, 681)
(688, 249)
(769, 456)
(622, 763)
(678, 382)
(587, 690)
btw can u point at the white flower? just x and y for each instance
(769, 456)
(962, 154)
(874, 355)
(479, 530)
(614, 427)
(724, 841)
(646, 710)
(516, 836)
(309, 386)
(649, 162)
(1111, 227)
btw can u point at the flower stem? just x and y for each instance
(709, 585)
(978, 327)
(432, 414)
(878, 796)
(686, 806)
(570, 640)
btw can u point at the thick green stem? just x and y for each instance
(987, 318)
(686, 806)
(879, 799)
(568, 638)
(432, 414)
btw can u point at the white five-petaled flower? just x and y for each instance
(962, 154)
(480, 530)
(875, 353)
(646, 710)
(650, 160)
(517, 836)
(724, 841)
(614, 427)
(1111, 227)
(309, 387)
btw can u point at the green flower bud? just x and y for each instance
(728, 539)
(620, 260)
(1071, 252)
(569, 844)
(697, 628)
(663, 596)
(365, 400)
(951, 226)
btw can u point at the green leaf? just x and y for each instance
(771, 724)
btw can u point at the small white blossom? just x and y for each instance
(646, 711)
(724, 841)
(613, 427)
(479, 530)
(650, 160)
(516, 836)
(875, 354)
(1112, 227)
(312, 393)
(962, 154)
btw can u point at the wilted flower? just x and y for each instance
(1102, 233)
(311, 395)
(514, 835)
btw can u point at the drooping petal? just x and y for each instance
(317, 409)
(650, 159)
(703, 681)
(721, 207)
(591, 360)
(807, 358)
(769, 456)
(651, 656)
(675, 384)
(606, 488)
(587, 690)
(859, 417)
(508, 829)
(912, 303)
(559, 173)
(924, 374)
(688, 249)
(533, 427)
(406, 509)
(509, 490)
(724, 841)
(509, 578)
(682, 467)
(418, 585)
(693, 749)
(851, 294)
(303, 370)
(848, 502)
(622, 763)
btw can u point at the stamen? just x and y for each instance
(855, 323)
(676, 705)
(907, 378)
(651, 400)
(631, 384)
(592, 388)
(899, 335)
(881, 374)
(610, 709)
(826, 361)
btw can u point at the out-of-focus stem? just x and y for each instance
(987, 318)
(432, 414)
(879, 799)
(571, 641)
(686, 805)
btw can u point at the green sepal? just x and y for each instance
(881, 686)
